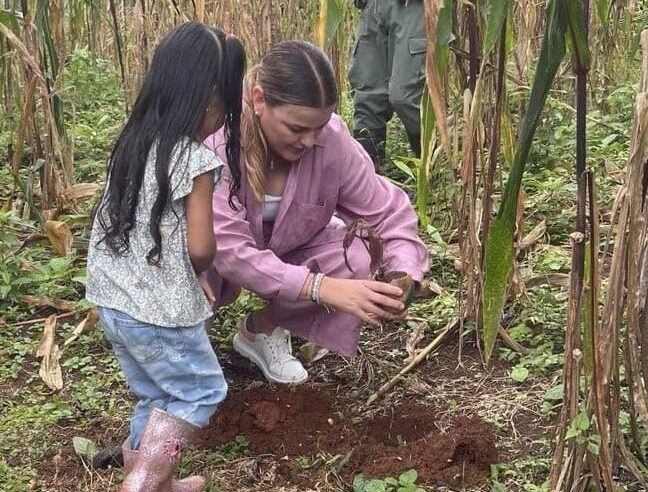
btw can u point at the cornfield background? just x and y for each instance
(512, 86)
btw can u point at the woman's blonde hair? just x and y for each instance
(292, 72)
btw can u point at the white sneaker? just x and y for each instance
(273, 355)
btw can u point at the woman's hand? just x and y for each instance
(367, 299)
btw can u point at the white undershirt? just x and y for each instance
(270, 207)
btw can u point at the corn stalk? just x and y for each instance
(440, 36)
(38, 42)
(498, 249)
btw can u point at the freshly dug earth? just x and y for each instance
(305, 421)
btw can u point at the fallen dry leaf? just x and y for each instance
(59, 304)
(81, 190)
(88, 322)
(60, 236)
(312, 352)
(50, 370)
(418, 330)
(534, 236)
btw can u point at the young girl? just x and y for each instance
(152, 235)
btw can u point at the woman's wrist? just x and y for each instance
(315, 287)
(304, 294)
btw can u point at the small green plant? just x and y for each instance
(524, 473)
(238, 448)
(303, 463)
(406, 482)
(196, 458)
(578, 430)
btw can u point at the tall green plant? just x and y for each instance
(428, 119)
(498, 251)
(330, 18)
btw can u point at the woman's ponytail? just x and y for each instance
(233, 73)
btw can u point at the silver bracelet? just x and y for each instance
(317, 282)
(312, 286)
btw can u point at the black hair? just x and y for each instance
(192, 63)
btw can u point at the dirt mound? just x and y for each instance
(305, 421)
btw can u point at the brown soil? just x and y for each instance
(306, 421)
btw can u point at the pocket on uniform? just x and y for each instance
(417, 46)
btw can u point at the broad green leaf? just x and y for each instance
(444, 25)
(498, 256)
(404, 167)
(571, 433)
(519, 374)
(84, 447)
(359, 483)
(497, 17)
(408, 476)
(594, 444)
(375, 486)
(8, 18)
(330, 17)
(582, 421)
(410, 487)
(391, 481)
(576, 31)
(554, 393)
(603, 10)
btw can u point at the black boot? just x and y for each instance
(415, 143)
(373, 141)
(109, 456)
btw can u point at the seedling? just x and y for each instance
(373, 243)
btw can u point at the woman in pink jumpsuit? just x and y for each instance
(303, 179)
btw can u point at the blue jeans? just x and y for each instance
(174, 369)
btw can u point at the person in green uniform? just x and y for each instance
(387, 72)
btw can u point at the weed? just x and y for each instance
(406, 482)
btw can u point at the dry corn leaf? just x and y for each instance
(88, 322)
(312, 352)
(81, 190)
(27, 266)
(50, 213)
(534, 236)
(429, 286)
(60, 236)
(418, 330)
(50, 370)
(59, 304)
(558, 279)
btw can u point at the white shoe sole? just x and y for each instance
(243, 349)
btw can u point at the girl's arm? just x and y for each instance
(201, 242)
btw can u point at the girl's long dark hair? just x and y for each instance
(192, 63)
